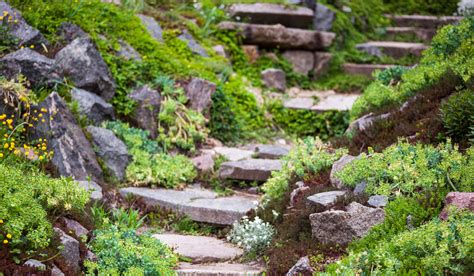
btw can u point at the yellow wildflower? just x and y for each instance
(9, 236)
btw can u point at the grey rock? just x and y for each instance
(364, 69)
(153, 28)
(96, 190)
(459, 200)
(274, 78)
(423, 21)
(326, 200)
(233, 154)
(224, 268)
(220, 50)
(199, 93)
(360, 188)
(127, 51)
(336, 101)
(55, 271)
(277, 36)
(90, 256)
(204, 163)
(73, 154)
(366, 121)
(75, 228)
(270, 14)
(19, 29)
(296, 193)
(322, 61)
(302, 267)
(92, 106)
(200, 249)
(424, 34)
(252, 190)
(70, 255)
(301, 61)
(392, 48)
(299, 103)
(249, 169)
(199, 204)
(369, 49)
(68, 32)
(147, 108)
(378, 201)
(271, 151)
(341, 227)
(336, 167)
(38, 69)
(323, 18)
(82, 63)
(111, 150)
(35, 263)
(193, 44)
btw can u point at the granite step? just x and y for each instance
(201, 205)
(278, 36)
(364, 69)
(422, 34)
(392, 48)
(249, 169)
(423, 21)
(270, 14)
(322, 101)
(219, 269)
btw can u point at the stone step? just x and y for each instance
(200, 249)
(423, 34)
(322, 101)
(199, 204)
(277, 36)
(266, 13)
(219, 269)
(233, 154)
(423, 21)
(364, 69)
(392, 48)
(249, 169)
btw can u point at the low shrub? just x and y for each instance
(253, 236)
(391, 75)
(457, 114)
(223, 124)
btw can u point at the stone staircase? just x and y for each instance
(417, 28)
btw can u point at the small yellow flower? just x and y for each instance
(9, 236)
(32, 46)
(41, 157)
(6, 146)
(1, 221)
(1, 155)
(5, 241)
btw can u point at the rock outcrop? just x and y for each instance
(147, 106)
(92, 106)
(199, 93)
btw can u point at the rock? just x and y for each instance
(420, 33)
(323, 18)
(360, 188)
(70, 256)
(341, 227)
(274, 78)
(153, 28)
(366, 121)
(234, 154)
(126, 51)
(271, 14)
(251, 51)
(460, 200)
(198, 204)
(299, 103)
(253, 190)
(378, 201)
(147, 108)
(204, 163)
(326, 200)
(302, 267)
(301, 61)
(277, 36)
(200, 249)
(75, 228)
(392, 48)
(296, 193)
(271, 151)
(96, 190)
(336, 167)
(55, 271)
(73, 154)
(220, 50)
(38, 69)
(338, 102)
(199, 93)
(111, 150)
(322, 61)
(370, 49)
(32, 262)
(423, 21)
(90, 256)
(219, 269)
(68, 32)
(82, 63)
(249, 169)
(193, 44)
(18, 28)
(92, 106)
(364, 69)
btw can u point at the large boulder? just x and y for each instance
(199, 93)
(68, 32)
(341, 227)
(301, 61)
(459, 200)
(83, 64)
(153, 28)
(337, 166)
(69, 258)
(193, 44)
(274, 78)
(38, 69)
(323, 18)
(18, 28)
(92, 106)
(147, 107)
(111, 150)
(73, 154)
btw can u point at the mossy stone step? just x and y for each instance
(423, 21)
(322, 101)
(249, 169)
(364, 69)
(422, 34)
(393, 49)
(219, 269)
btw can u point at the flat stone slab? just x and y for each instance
(364, 69)
(322, 101)
(420, 33)
(326, 199)
(200, 249)
(234, 154)
(392, 48)
(274, 36)
(200, 205)
(266, 13)
(423, 21)
(271, 151)
(249, 169)
(218, 269)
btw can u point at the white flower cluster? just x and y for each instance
(466, 7)
(253, 236)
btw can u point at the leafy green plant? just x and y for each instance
(391, 75)
(127, 219)
(457, 114)
(223, 124)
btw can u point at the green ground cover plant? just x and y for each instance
(457, 114)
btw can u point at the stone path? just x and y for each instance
(321, 101)
(249, 169)
(220, 269)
